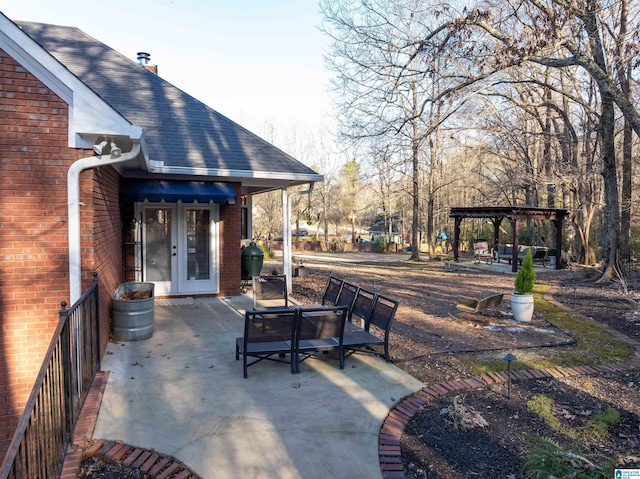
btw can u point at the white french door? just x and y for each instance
(179, 247)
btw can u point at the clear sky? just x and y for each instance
(256, 61)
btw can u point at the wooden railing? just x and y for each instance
(45, 429)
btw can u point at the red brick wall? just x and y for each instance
(34, 279)
(105, 234)
(34, 261)
(230, 253)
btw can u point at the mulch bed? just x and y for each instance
(96, 468)
(433, 449)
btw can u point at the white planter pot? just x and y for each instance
(522, 307)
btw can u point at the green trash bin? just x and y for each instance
(252, 258)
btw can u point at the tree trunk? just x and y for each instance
(627, 175)
(415, 160)
(612, 204)
(415, 220)
(607, 131)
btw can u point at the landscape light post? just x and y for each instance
(508, 358)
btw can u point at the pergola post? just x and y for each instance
(558, 224)
(496, 229)
(456, 237)
(515, 229)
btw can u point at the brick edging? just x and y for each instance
(389, 453)
(147, 461)
(83, 431)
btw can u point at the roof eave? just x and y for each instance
(87, 111)
(240, 174)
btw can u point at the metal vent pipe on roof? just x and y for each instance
(144, 58)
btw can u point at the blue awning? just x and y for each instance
(172, 191)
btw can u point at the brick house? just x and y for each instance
(108, 168)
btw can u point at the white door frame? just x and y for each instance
(179, 283)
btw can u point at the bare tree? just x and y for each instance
(380, 85)
(560, 34)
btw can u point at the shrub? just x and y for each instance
(526, 275)
(548, 459)
(603, 423)
(378, 244)
(461, 417)
(541, 406)
(267, 252)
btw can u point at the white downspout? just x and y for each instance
(73, 201)
(287, 267)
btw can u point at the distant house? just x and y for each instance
(108, 168)
(381, 230)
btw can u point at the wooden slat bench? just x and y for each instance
(472, 305)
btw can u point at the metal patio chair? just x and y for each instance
(270, 292)
(268, 333)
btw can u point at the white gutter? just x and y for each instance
(73, 201)
(287, 267)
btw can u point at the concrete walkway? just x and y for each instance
(182, 394)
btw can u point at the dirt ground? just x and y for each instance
(433, 341)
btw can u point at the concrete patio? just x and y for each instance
(182, 393)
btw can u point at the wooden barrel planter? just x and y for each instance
(132, 313)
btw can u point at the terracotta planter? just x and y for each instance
(522, 307)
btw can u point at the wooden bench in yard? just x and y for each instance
(472, 305)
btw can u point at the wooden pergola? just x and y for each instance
(515, 215)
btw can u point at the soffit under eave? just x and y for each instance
(249, 185)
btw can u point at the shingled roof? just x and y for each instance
(180, 133)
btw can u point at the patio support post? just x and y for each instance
(286, 237)
(515, 226)
(287, 247)
(456, 237)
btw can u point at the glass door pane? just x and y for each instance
(198, 244)
(158, 245)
